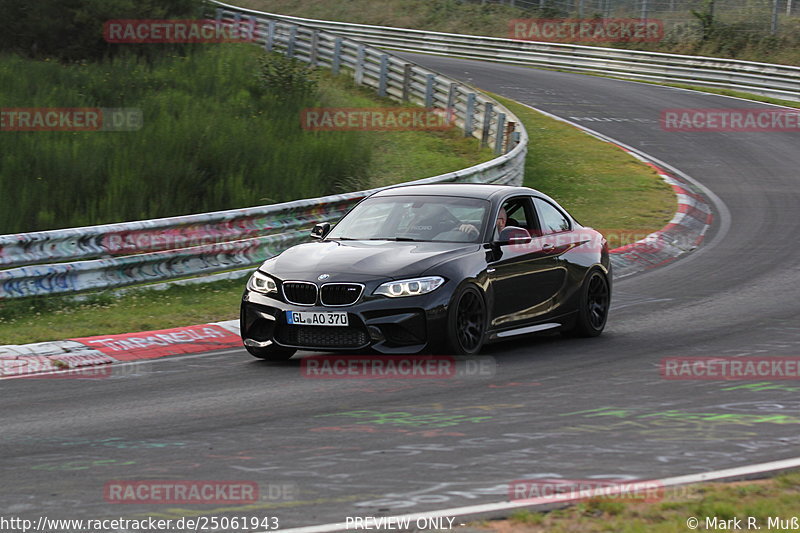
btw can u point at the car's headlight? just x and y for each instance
(259, 282)
(410, 287)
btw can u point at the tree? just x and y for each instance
(706, 18)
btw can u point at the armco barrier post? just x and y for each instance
(384, 76)
(251, 28)
(487, 123)
(451, 96)
(513, 141)
(269, 41)
(430, 80)
(218, 19)
(312, 53)
(292, 40)
(406, 81)
(498, 141)
(359, 75)
(468, 115)
(237, 23)
(337, 56)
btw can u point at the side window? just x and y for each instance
(516, 212)
(551, 219)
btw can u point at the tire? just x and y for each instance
(271, 353)
(593, 305)
(466, 321)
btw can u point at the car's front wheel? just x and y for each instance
(271, 353)
(466, 321)
(593, 305)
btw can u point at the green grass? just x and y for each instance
(60, 317)
(526, 517)
(599, 183)
(214, 137)
(761, 500)
(406, 155)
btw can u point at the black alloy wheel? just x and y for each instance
(467, 321)
(593, 305)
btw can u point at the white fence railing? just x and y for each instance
(778, 81)
(118, 255)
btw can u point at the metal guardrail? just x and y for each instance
(778, 81)
(118, 255)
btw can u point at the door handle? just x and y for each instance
(547, 247)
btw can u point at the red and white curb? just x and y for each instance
(81, 357)
(684, 233)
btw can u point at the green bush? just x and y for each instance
(287, 79)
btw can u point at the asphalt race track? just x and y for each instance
(324, 449)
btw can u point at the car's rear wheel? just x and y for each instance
(466, 321)
(593, 305)
(271, 353)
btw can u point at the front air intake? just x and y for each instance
(300, 292)
(335, 294)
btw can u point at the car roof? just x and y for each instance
(470, 190)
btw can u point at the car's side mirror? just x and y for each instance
(320, 230)
(513, 235)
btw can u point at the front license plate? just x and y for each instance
(321, 318)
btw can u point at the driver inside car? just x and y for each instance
(472, 231)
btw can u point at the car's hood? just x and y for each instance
(362, 260)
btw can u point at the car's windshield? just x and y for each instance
(415, 218)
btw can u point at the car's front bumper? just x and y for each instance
(387, 325)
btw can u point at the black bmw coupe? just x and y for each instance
(438, 268)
